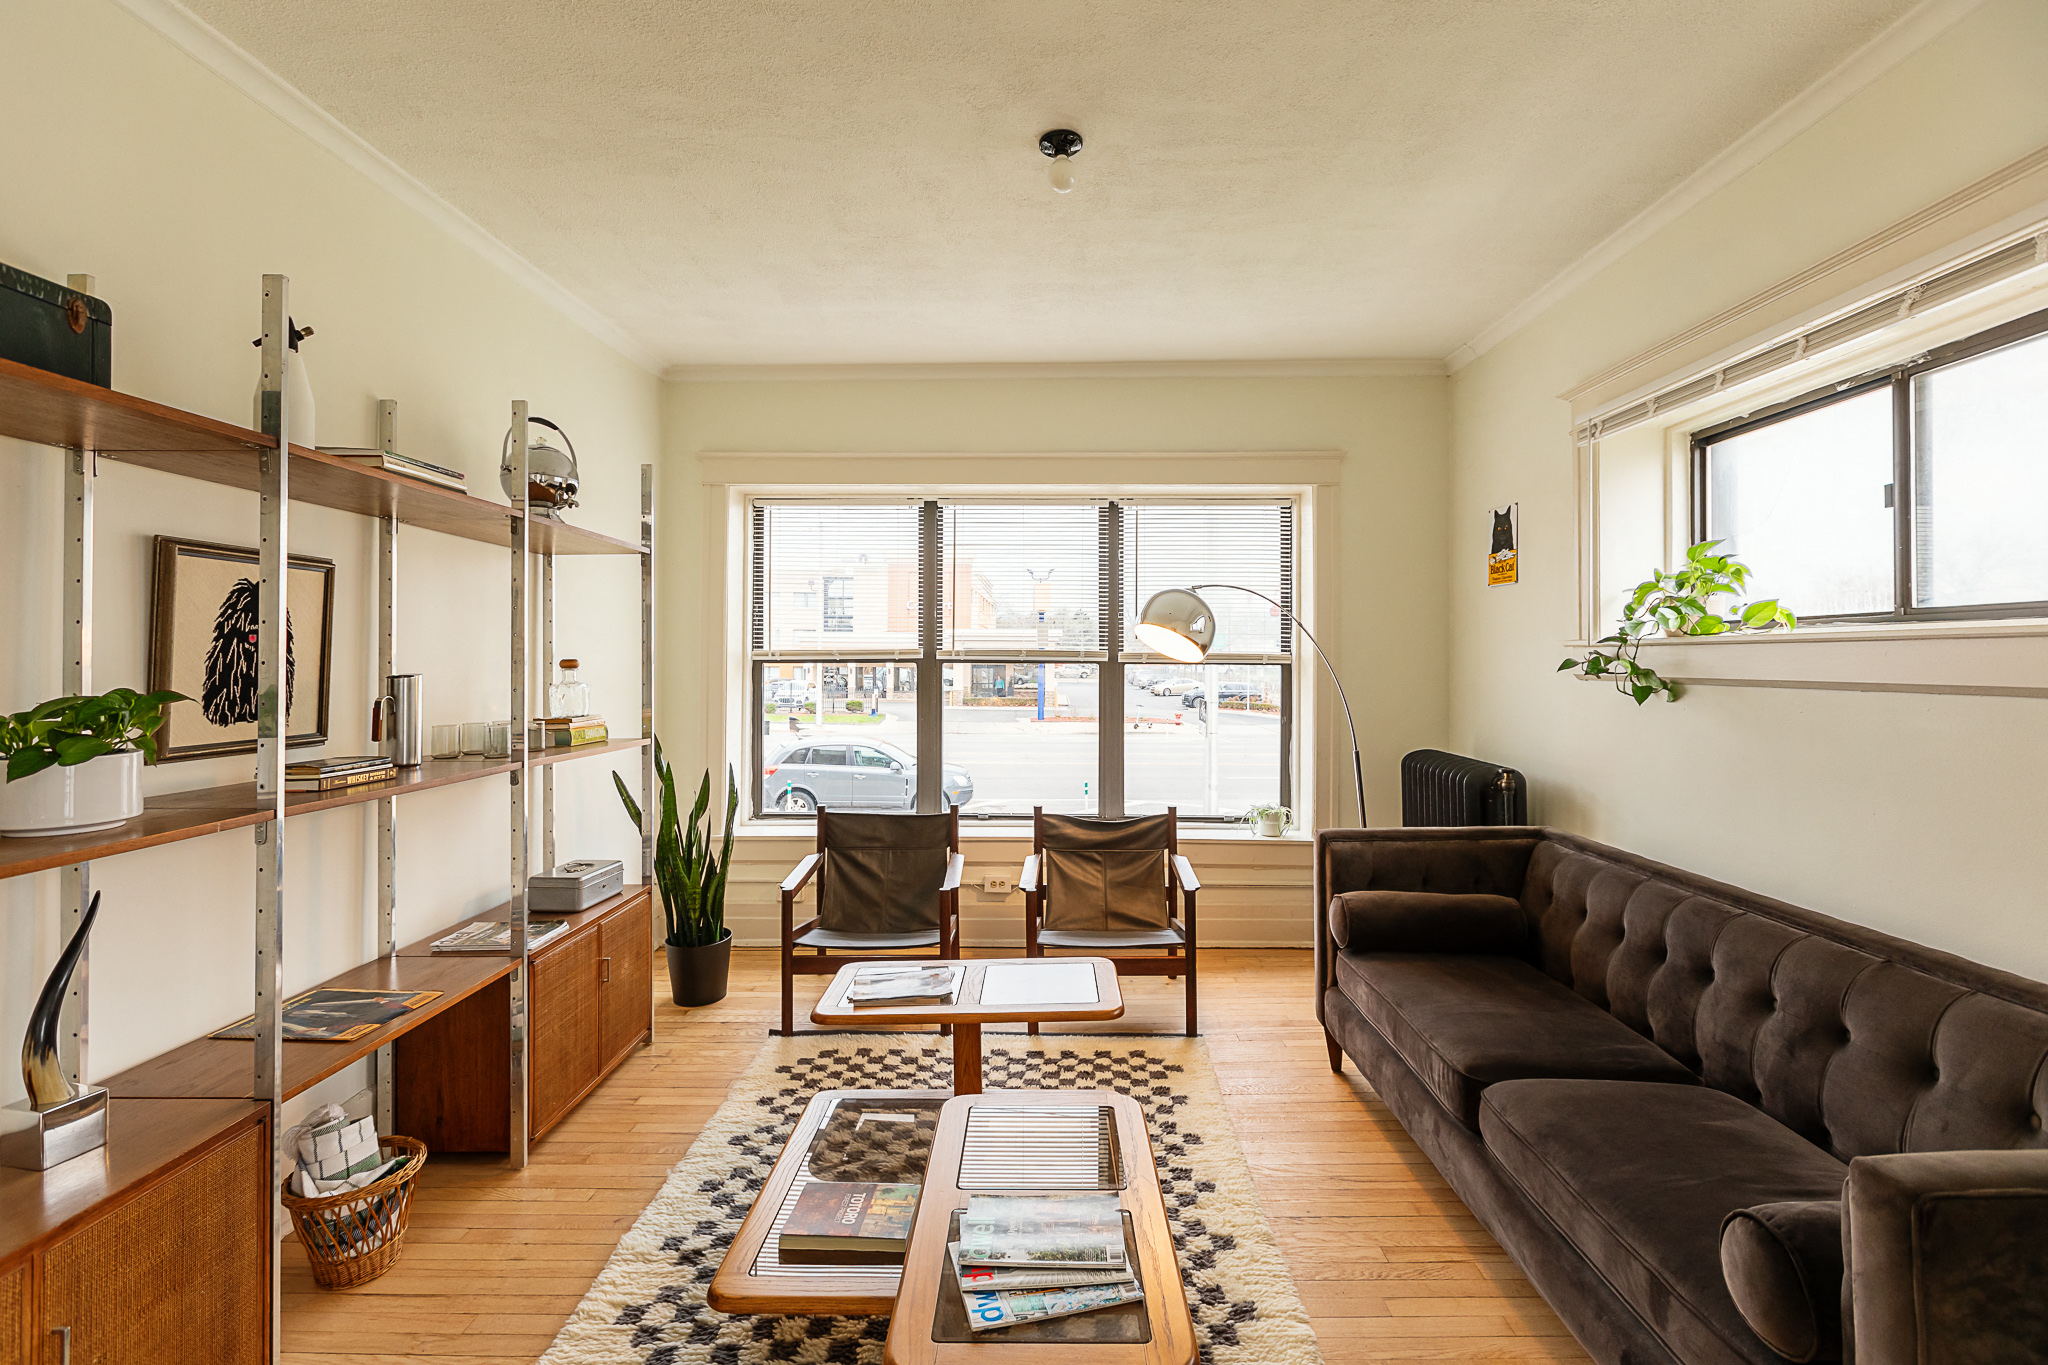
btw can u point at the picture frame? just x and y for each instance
(202, 643)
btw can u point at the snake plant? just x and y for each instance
(690, 875)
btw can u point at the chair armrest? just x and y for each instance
(956, 867)
(1184, 873)
(802, 873)
(1934, 1238)
(1027, 880)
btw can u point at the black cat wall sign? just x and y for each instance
(202, 642)
(1502, 564)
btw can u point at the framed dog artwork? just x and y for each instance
(202, 642)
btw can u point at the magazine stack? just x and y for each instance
(1024, 1258)
(900, 985)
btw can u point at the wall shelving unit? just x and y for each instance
(190, 1099)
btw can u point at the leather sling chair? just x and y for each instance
(888, 885)
(1109, 888)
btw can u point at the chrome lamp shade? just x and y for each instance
(1178, 624)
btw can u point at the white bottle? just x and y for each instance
(297, 386)
(570, 697)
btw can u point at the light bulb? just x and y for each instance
(1063, 174)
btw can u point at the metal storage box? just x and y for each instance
(575, 886)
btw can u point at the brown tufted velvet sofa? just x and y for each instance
(1607, 1058)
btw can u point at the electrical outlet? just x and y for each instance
(996, 886)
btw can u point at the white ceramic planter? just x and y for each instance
(98, 794)
(1269, 825)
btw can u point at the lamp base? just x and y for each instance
(33, 1139)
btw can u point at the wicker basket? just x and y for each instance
(353, 1237)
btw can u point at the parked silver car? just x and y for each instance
(864, 774)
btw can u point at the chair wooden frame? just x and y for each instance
(1179, 888)
(826, 961)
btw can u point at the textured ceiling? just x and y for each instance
(754, 182)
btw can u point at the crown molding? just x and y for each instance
(214, 51)
(1907, 35)
(1109, 369)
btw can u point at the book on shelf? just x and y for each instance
(557, 735)
(856, 1222)
(898, 986)
(1042, 1229)
(339, 781)
(331, 767)
(1049, 1276)
(495, 936)
(411, 467)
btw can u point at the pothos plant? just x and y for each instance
(1680, 603)
(67, 731)
(690, 875)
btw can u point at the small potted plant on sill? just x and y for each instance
(1676, 604)
(691, 879)
(1270, 821)
(75, 763)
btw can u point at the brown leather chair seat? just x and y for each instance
(1465, 1022)
(1639, 1177)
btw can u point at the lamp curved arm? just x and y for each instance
(1357, 763)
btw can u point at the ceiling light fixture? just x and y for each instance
(1062, 145)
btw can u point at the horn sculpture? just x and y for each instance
(40, 1070)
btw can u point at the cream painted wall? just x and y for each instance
(126, 160)
(1915, 814)
(1379, 583)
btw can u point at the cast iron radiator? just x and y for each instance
(1448, 789)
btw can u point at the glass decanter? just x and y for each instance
(571, 696)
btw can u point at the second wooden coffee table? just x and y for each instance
(1028, 990)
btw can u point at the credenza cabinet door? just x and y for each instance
(625, 938)
(564, 1008)
(178, 1274)
(14, 1319)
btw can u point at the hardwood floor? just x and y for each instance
(1389, 1263)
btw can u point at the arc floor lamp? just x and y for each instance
(1179, 624)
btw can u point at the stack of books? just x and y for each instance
(874, 986)
(568, 732)
(332, 774)
(848, 1222)
(437, 475)
(1024, 1258)
(495, 936)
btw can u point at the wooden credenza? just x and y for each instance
(155, 1248)
(588, 1006)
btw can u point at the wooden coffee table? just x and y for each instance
(1032, 1142)
(753, 1279)
(1015, 990)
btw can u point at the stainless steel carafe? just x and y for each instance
(397, 720)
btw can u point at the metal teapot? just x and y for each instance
(552, 480)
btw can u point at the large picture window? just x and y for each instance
(914, 654)
(1913, 493)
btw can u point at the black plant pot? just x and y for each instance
(697, 976)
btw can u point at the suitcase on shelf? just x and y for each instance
(53, 327)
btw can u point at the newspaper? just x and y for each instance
(988, 1309)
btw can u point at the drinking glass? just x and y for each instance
(498, 742)
(447, 742)
(476, 734)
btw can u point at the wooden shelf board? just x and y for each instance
(144, 1137)
(174, 816)
(51, 410)
(576, 919)
(222, 1068)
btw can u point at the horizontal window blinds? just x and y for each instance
(1021, 578)
(1945, 286)
(837, 578)
(1249, 544)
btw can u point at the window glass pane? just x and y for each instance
(1205, 740)
(1022, 735)
(837, 578)
(1022, 576)
(1981, 479)
(1176, 545)
(830, 733)
(1802, 502)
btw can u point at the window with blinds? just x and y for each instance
(834, 577)
(1022, 578)
(1244, 544)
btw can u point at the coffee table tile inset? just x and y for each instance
(1029, 990)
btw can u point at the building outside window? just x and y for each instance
(999, 628)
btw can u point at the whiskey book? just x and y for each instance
(339, 780)
(848, 1223)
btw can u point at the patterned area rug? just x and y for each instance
(647, 1306)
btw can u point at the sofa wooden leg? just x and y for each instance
(1336, 1052)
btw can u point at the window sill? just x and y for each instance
(1987, 658)
(1020, 832)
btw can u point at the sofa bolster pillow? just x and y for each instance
(1783, 1265)
(1428, 922)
